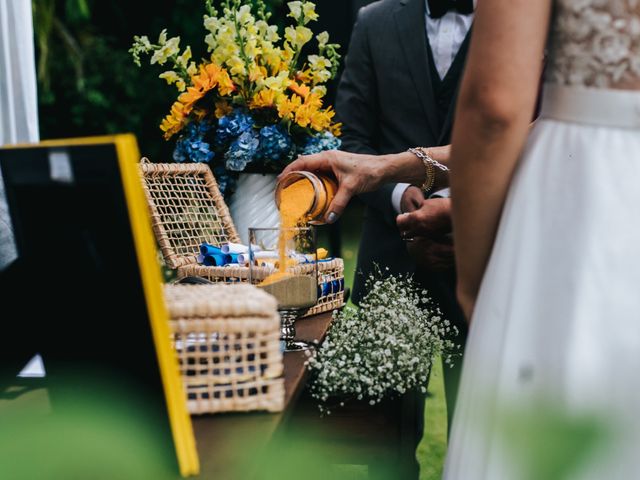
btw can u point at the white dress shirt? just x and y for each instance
(446, 35)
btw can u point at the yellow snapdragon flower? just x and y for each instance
(319, 90)
(323, 39)
(268, 33)
(318, 62)
(321, 76)
(319, 69)
(251, 48)
(170, 48)
(302, 11)
(295, 10)
(211, 42)
(192, 69)
(211, 24)
(183, 60)
(236, 66)
(309, 11)
(298, 36)
(279, 83)
(244, 15)
(171, 78)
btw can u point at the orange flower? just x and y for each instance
(287, 107)
(200, 114)
(174, 122)
(264, 99)
(225, 84)
(222, 109)
(336, 129)
(301, 89)
(191, 96)
(304, 115)
(304, 76)
(209, 77)
(314, 100)
(256, 73)
(321, 120)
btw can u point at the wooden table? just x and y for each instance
(227, 442)
(379, 436)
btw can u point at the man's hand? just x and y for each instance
(432, 220)
(431, 255)
(412, 200)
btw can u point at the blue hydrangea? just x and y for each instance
(242, 151)
(321, 142)
(191, 146)
(226, 180)
(275, 144)
(232, 126)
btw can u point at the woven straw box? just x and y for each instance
(187, 209)
(227, 338)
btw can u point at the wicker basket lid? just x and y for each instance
(187, 209)
(218, 300)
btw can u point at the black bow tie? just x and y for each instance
(438, 8)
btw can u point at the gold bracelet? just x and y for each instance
(428, 166)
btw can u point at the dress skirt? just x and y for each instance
(551, 375)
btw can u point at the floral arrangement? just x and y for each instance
(385, 347)
(255, 102)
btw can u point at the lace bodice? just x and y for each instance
(595, 43)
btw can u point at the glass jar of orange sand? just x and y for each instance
(305, 197)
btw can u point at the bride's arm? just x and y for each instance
(496, 103)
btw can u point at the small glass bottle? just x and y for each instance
(324, 189)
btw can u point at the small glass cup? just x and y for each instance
(294, 284)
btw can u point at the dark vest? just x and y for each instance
(445, 90)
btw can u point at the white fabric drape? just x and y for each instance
(18, 96)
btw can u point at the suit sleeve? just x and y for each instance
(358, 109)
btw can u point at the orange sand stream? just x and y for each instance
(295, 202)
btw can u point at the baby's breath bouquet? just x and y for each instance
(384, 348)
(255, 101)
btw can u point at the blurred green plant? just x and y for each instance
(97, 429)
(552, 443)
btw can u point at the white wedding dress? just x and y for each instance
(558, 315)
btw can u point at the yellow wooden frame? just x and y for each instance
(128, 158)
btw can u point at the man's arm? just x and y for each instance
(358, 109)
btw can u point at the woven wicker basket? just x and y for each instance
(227, 338)
(188, 209)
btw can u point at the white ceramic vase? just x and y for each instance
(253, 203)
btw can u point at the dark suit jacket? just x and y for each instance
(386, 102)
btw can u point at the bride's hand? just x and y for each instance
(355, 173)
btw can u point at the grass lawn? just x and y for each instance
(432, 449)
